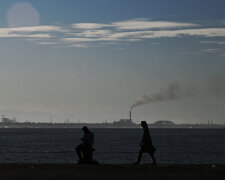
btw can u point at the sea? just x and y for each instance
(113, 146)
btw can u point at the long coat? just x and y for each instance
(146, 143)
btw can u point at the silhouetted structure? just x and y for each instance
(7, 120)
(122, 123)
(146, 144)
(85, 150)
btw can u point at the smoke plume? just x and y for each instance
(216, 85)
(172, 92)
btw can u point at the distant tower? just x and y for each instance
(130, 115)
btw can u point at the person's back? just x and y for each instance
(85, 149)
(146, 139)
(88, 138)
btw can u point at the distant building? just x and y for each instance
(7, 120)
(163, 124)
(124, 123)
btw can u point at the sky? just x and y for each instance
(92, 60)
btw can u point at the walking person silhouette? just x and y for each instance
(146, 144)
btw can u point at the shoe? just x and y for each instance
(136, 163)
(80, 161)
(153, 164)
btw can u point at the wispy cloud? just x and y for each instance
(88, 34)
(143, 24)
(212, 50)
(94, 33)
(79, 45)
(79, 40)
(140, 35)
(217, 51)
(89, 25)
(195, 53)
(35, 29)
(31, 32)
(213, 42)
(154, 43)
(46, 43)
(134, 24)
(203, 32)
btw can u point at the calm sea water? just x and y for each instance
(174, 146)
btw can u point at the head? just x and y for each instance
(144, 124)
(85, 129)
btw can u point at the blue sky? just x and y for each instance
(89, 61)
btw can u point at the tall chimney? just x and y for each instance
(130, 114)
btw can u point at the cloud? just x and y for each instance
(154, 43)
(30, 32)
(89, 25)
(191, 53)
(33, 29)
(94, 33)
(216, 51)
(97, 36)
(142, 24)
(46, 43)
(213, 42)
(74, 40)
(36, 29)
(211, 50)
(203, 32)
(80, 45)
(131, 31)
(134, 24)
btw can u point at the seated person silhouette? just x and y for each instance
(85, 150)
(146, 144)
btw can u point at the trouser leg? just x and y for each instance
(153, 158)
(139, 156)
(78, 151)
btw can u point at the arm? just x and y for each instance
(83, 139)
(141, 143)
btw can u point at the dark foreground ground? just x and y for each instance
(104, 172)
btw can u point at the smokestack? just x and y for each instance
(130, 114)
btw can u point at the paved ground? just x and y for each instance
(104, 172)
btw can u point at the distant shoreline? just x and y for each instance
(105, 126)
(122, 123)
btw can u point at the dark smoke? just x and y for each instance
(171, 93)
(216, 85)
